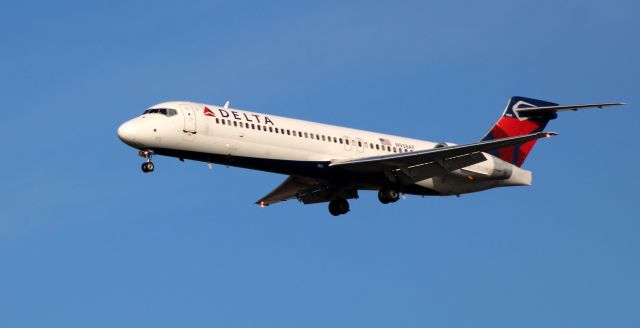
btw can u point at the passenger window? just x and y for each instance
(340, 140)
(388, 148)
(264, 128)
(288, 132)
(335, 140)
(306, 135)
(377, 147)
(277, 130)
(223, 122)
(394, 150)
(235, 123)
(359, 143)
(229, 122)
(217, 120)
(240, 123)
(323, 137)
(253, 126)
(259, 128)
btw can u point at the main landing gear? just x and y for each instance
(148, 165)
(338, 206)
(388, 195)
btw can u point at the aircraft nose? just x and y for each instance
(127, 132)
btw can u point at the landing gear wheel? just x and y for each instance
(382, 197)
(147, 167)
(388, 195)
(338, 207)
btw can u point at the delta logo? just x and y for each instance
(208, 112)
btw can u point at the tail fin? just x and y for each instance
(511, 125)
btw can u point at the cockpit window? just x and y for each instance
(163, 111)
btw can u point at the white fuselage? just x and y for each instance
(283, 145)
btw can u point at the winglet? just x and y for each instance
(226, 105)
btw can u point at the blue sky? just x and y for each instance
(87, 240)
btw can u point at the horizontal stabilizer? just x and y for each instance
(536, 111)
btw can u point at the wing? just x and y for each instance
(424, 164)
(535, 111)
(288, 189)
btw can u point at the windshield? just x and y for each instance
(163, 111)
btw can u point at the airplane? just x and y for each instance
(327, 163)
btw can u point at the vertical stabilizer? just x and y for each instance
(511, 125)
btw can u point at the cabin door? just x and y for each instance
(189, 118)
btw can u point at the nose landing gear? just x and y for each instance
(148, 165)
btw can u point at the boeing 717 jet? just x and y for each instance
(328, 163)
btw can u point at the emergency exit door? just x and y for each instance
(347, 143)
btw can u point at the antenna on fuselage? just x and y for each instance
(226, 105)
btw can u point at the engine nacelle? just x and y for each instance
(444, 144)
(491, 169)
